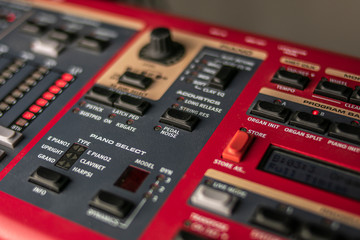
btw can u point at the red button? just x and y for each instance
(61, 83)
(54, 89)
(48, 96)
(42, 102)
(67, 77)
(237, 146)
(35, 108)
(28, 115)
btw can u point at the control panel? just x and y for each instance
(119, 123)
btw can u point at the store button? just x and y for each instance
(237, 146)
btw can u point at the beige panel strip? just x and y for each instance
(301, 64)
(86, 12)
(168, 73)
(302, 203)
(310, 103)
(338, 73)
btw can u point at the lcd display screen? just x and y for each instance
(311, 172)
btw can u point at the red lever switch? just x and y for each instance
(237, 147)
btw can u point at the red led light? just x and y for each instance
(28, 115)
(61, 83)
(48, 96)
(54, 89)
(315, 112)
(42, 102)
(34, 108)
(67, 77)
(11, 17)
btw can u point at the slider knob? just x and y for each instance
(162, 48)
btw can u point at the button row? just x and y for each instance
(324, 87)
(10, 70)
(23, 88)
(125, 102)
(214, 74)
(54, 40)
(307, 121)
(138, 106)
(285, 224)
(103, 200)
(42, 102)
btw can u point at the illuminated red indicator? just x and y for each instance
(315, 112)
(48, 96)
(11, 17)
(61, 83)
(67, 77)
(34, 108)
(54, 89)
(28, 115)
(42, 102)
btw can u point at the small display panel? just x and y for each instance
(131, 178)
(311, 172)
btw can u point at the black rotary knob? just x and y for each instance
(162, 48)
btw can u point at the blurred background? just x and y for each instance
(332, 25)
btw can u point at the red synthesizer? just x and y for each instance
(121, 123)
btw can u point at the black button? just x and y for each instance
(135, 80)
(355, 97)
(59, 36)
(179, 119)
(102, 95)
(271, 111)
(333, 90)
(274, 220)
(310, 122)
(131, 104)
(223, 77)
(94, 43)
(112, 204)
(316, 232)
(290, 79)
(184, 235)
(34, 26)
(49, 179)
(345, 132)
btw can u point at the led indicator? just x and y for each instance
(315, 112)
